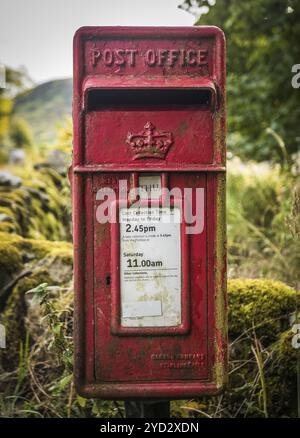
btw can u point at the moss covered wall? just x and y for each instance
(35, 208)
(34, 248)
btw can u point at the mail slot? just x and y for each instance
(148, 184)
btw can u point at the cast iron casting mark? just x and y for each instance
(149, 142)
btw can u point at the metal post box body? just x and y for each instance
(150, 298)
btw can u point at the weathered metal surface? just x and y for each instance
(149, 100)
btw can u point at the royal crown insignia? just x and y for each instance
(149, 142)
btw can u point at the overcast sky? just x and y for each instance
(38, 34)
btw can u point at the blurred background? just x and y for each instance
(263, 200)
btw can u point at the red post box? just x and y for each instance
(149, 212)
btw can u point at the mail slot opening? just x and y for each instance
(98, 99)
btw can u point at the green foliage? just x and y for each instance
(20, 134)
(64, 137)
(15, 82)
(6, 105)
(13, 317)
(23, 363)
(44, 107)
(60, 344)
(263, 217)
(37, 208)
(262, 46)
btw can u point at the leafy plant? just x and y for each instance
(20, 134)
(262, 46)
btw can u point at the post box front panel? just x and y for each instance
(152, 355)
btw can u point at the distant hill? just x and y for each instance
(45, 107)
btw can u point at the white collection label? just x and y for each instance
(150, 267)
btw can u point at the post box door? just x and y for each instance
(140, 342)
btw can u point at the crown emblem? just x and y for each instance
(149, 143)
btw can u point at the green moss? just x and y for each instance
(10, 258)
(48, 262)
(263, 304)
(5, 210)
(37, 208)
(37, 248)
(7, 227)
(43, 248)
(14, 239)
